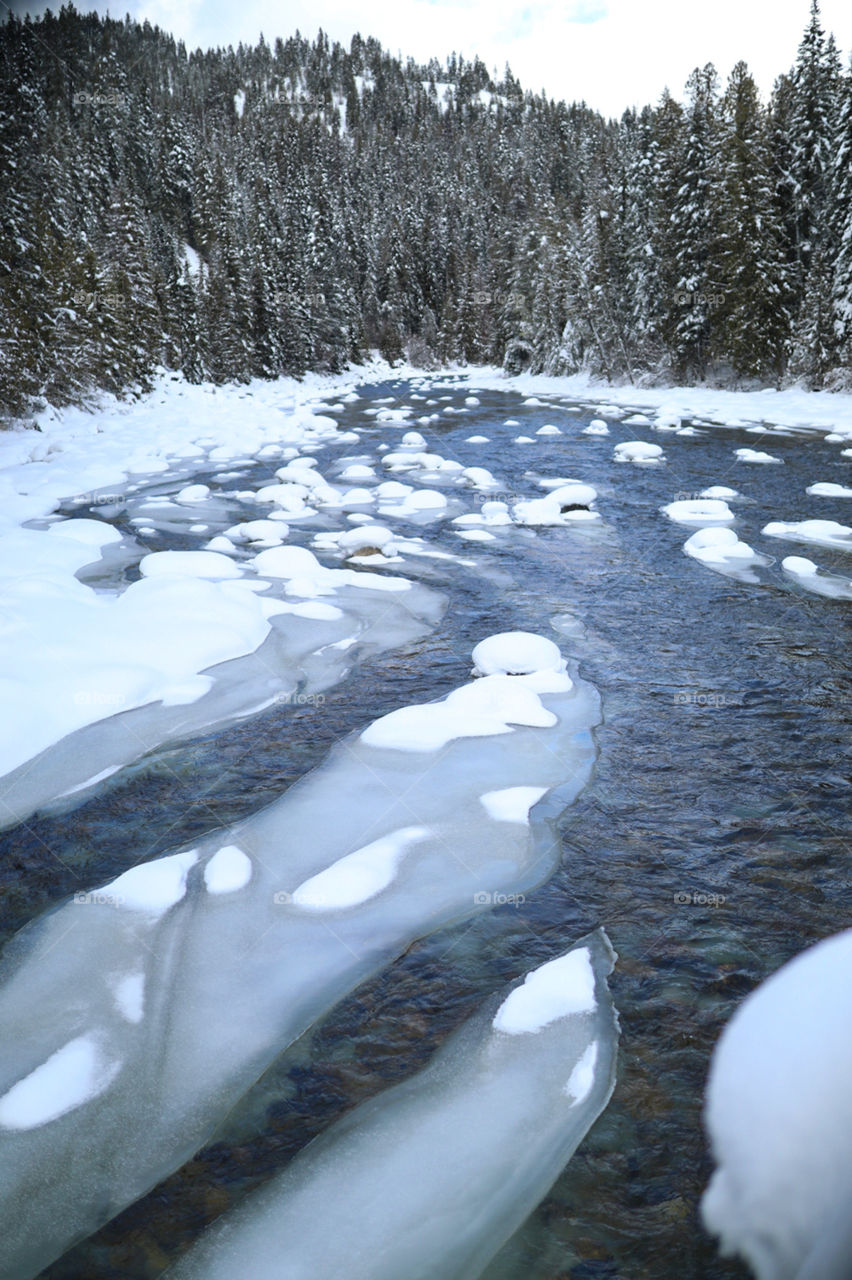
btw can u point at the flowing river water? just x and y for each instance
(709, 843)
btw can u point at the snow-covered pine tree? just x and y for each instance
(753, 310)
(690, 318)
(840, 215)
(814, 109)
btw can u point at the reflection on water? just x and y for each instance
(708, 843)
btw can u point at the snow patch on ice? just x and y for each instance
(556, 990)
(582, 1078)
(74, 1074)
(511, 804)
(152, 887)
(228, 870)
(358, 876)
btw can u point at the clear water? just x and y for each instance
(721, 772)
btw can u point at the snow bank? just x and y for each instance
(71, 656)
(431, 1177)
(779, 1117)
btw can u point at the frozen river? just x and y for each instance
(707, 840)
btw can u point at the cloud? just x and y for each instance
(586, 11)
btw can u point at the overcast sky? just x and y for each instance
(612, 53)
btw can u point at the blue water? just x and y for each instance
(710, 842)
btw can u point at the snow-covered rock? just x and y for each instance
(755, 455)
(567, 504)
(821, 533)
(721, 491)
(827, 489)
(700, 512)
(516, 653)
(721, 549)
(637, 451)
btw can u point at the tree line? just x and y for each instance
(273, 209)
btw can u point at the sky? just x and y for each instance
(612, 54)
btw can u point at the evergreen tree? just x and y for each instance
(753, 316)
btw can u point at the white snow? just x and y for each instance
(129, 992)
(808, 576)
(702, 512)
(516, 653)
(91, 533)
(822, 533)
(358, 876)
(582, 1078)
(511, 804)
(779, 1116)
(306, 577)
(489, 706)
(755, 455)
(568, 504)
(827, 489)
(193, 493)
(558, 989)
(228, 870)
(637, 451)
(597, 427)
(152, 887)
(719, 491)
(720, 549)
(192, 564)
(74, 1074)
(355, 541)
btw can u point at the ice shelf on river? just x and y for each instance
(148, 1006)
(430, 1178)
